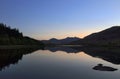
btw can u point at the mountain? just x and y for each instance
(108, 34)
(60, 41)
(9, 36)
(108, 37)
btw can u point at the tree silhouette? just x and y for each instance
(12, 36)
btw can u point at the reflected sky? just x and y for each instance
(45, 64)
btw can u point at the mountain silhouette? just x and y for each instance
(61, 41)
(108, 37)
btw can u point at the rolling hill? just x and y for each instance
(107, 37)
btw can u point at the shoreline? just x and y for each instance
(19, 46)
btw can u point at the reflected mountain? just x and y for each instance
(12, 56)
(62, 48)
(108, 54)
(100, 67)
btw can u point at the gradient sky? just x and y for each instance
(44, 19)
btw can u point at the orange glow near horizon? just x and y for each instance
(64, 55)
(61, 36)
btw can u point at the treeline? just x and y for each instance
(8, 31)
(12, 36)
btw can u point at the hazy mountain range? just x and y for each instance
(107, 37)
(61, 41)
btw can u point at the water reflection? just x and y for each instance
(62, 48)
(12, 56)
(60, 63)
(111, 55)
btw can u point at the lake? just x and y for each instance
(60, 63)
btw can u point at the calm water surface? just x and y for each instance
(59, 63)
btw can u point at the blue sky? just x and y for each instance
(44, 19)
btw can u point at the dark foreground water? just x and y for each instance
(60, 63)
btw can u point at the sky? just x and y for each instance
(45, 19)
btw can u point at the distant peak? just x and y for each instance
(71, 37)
(53, 39)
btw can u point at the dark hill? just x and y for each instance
(108, 34)
(108, 37)
(9, 36)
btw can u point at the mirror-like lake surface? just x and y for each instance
(60, 63)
